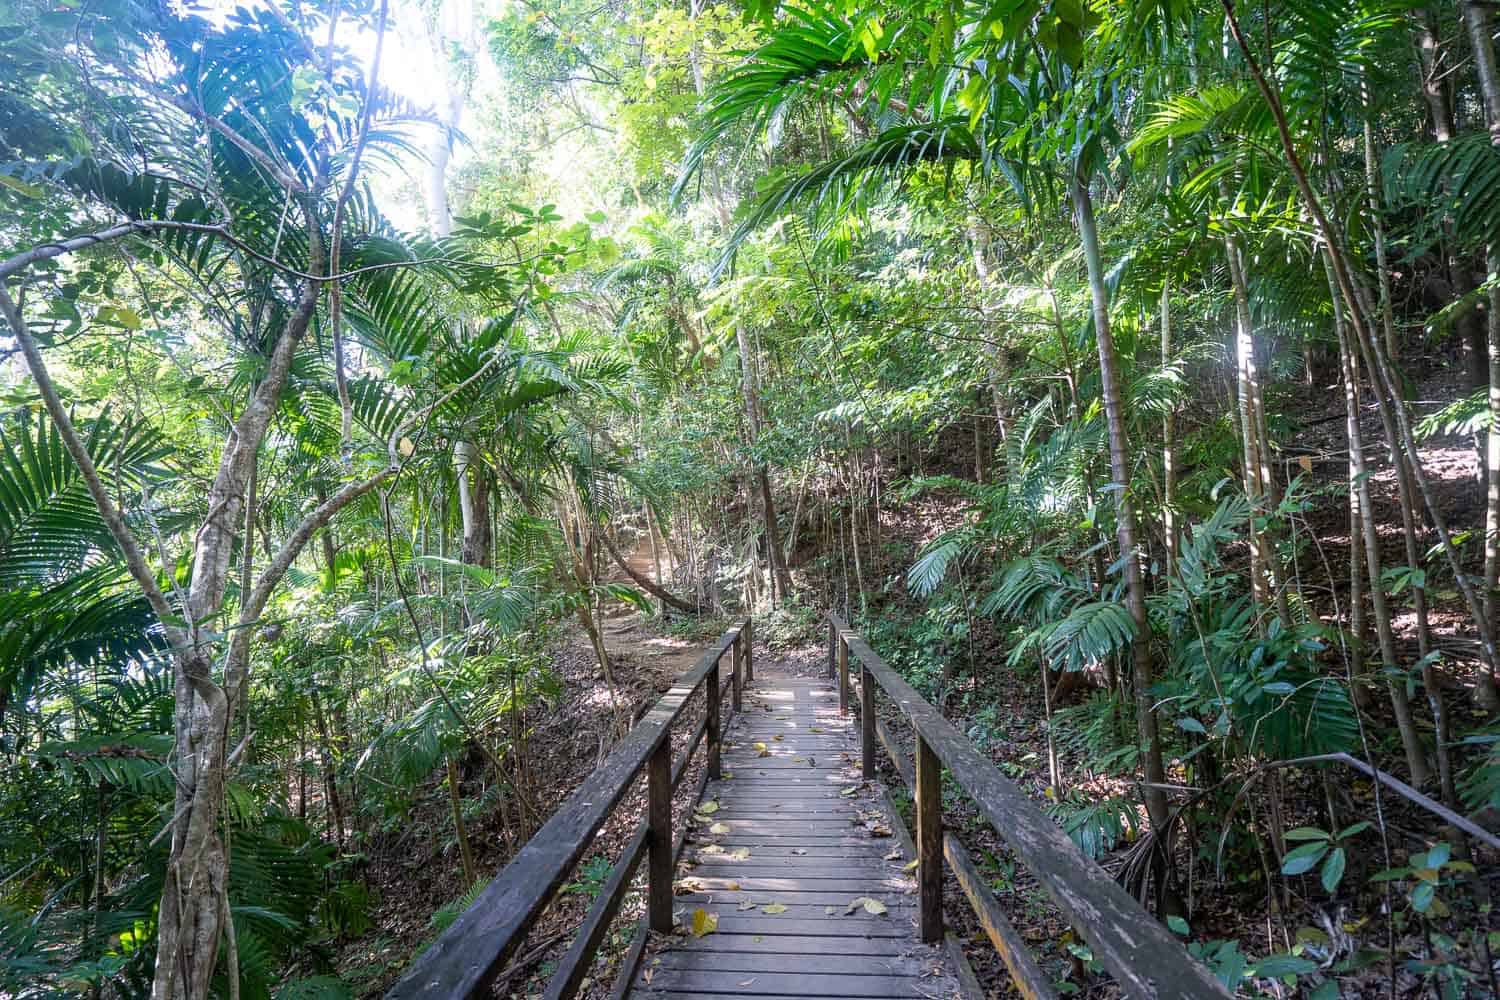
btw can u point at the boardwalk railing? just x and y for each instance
(1139, 952)
(468, 956)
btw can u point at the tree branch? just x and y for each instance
(654, 589)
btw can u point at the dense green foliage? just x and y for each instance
(1021, 332)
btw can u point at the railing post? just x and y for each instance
(749, 635)
(659, 822)
(929, 810)
(867, 721)
(833, 645)
(843, 676)
(711, 688)
(737, 680)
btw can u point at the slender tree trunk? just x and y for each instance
(780, 577)
(1416, 757)
(1479, 19)
(1119, 457)
(330, 777)
(1168, 440)
(1265, 570)
(460, 828)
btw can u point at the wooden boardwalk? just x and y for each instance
(801, 865)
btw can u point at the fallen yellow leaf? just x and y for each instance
(704, 922)
(709, 808)
(719, 828)
(740, 853)
(872, 906)
(773, 909)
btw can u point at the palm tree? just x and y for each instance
(251, 198)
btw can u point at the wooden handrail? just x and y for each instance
(468, 956)
(1139, 952)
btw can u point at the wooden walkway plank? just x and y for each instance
(794, 828)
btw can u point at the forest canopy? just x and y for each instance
(393, 392)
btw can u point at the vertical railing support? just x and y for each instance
(843, 676)
(749, 634)
(659, 823)
(711, 713)
(833, 646)
(929, 810)
(866, 721)
(738, 679)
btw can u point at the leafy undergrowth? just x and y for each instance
(414, 870)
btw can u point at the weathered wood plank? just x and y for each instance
(737, 923)
(712, 724)
(929, 817)
(1027, 976)
(723, 941)
(830, 963)
(867, 723)
(660, 863)
(796, 984)
(969, 986)
(573, 968)
(1140, 953)
(843, 676)
(472, 951)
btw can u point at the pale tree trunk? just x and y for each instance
(1480, 23)
(1168, 440)
(1244, 365)
(1266, 583)
(1119, 459)
(1265, 570)
(454, 32)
